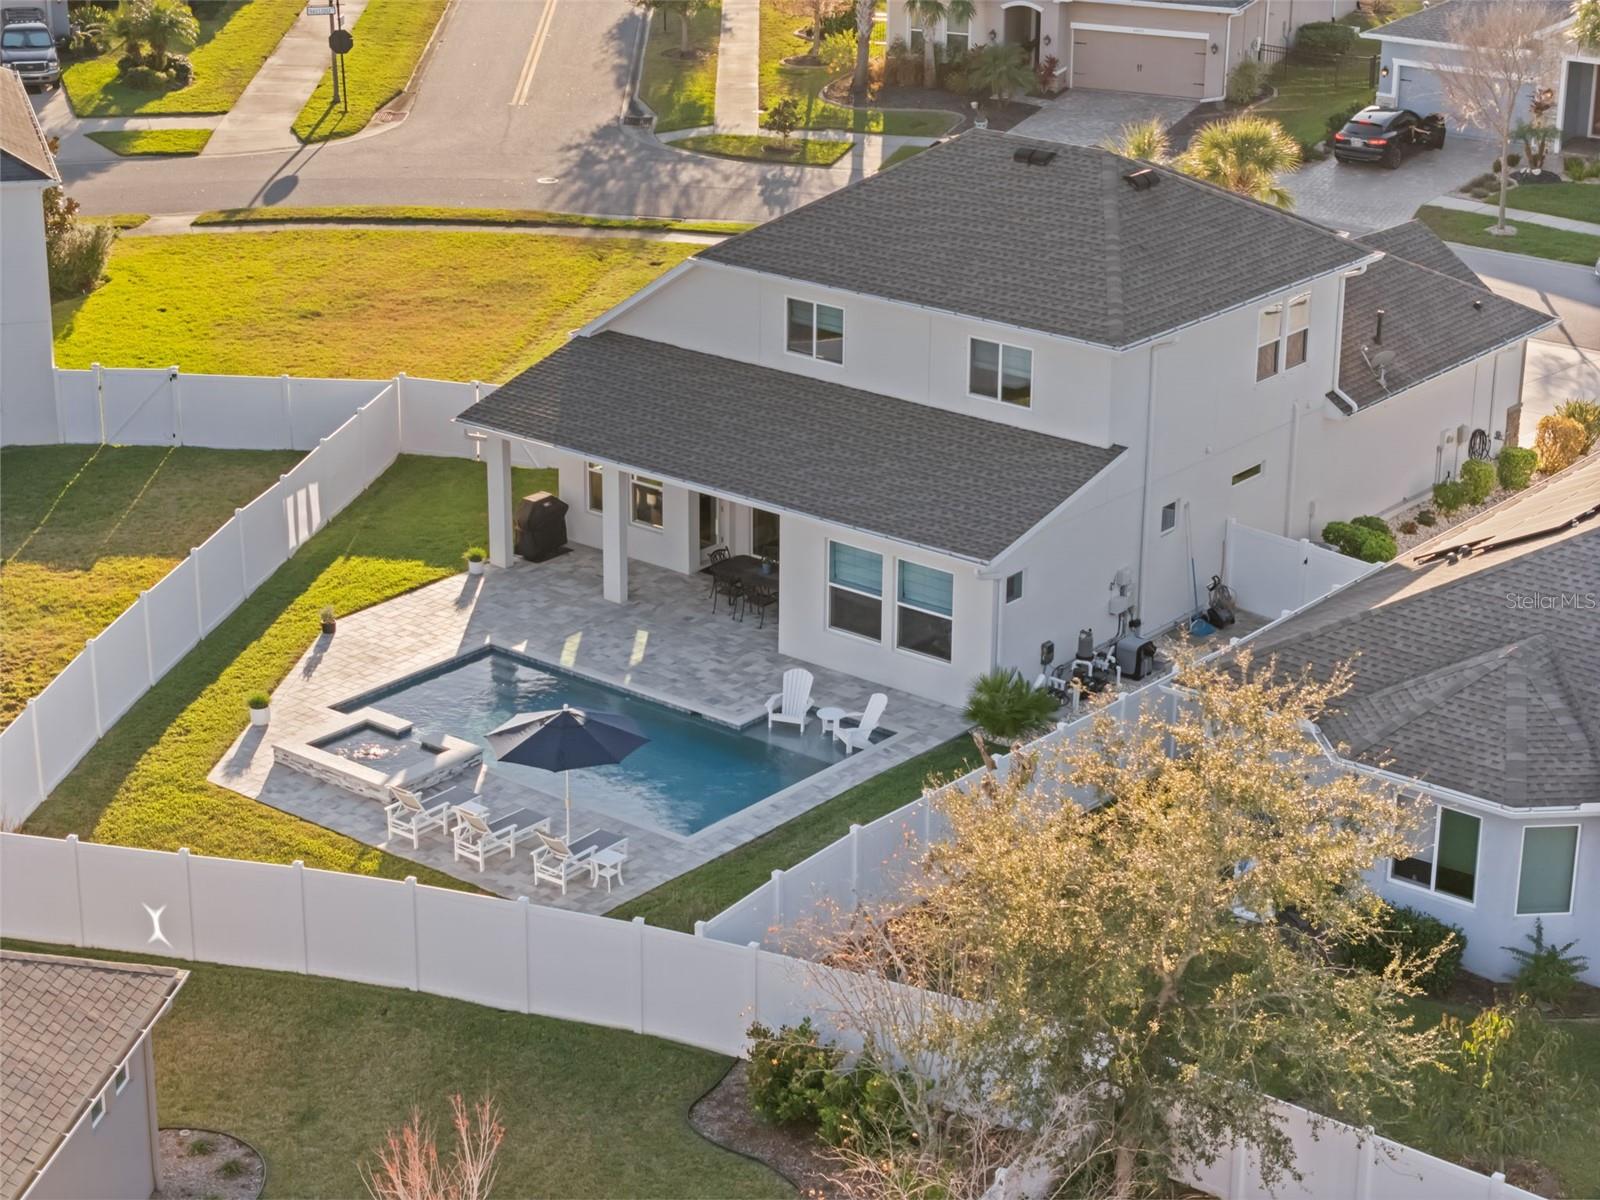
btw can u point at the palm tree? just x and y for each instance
(936, 12)
(999, 70)
(1244, 154)
(164, 26)
(1144, 140)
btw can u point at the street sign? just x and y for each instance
(319, 10)
(340, 41)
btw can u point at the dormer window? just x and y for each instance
(996, 371)
(816, 330)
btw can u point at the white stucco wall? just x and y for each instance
(673, 546)
(27, 372)
(114, 1160)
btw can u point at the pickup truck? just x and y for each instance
(27, 47)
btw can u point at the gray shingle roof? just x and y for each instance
(65, 1025)
(920, 475)
(23, 152)
(1068, 248)
(1437, 22)
(1437, 315)
(1455, 684)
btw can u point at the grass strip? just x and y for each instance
(116, 220)
(682, 92)
(899, 156)
(136, 143)
(806, 152)
(1540, 241)
(411, 214)
(1576, 201)
(390, 37)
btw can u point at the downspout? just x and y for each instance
(1294, 460)
(1149, 454)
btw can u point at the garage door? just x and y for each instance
(1139, 62)
(1421, 92)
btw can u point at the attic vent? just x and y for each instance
(1033, 156)
(1142, 180)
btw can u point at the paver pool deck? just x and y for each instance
(664, 644)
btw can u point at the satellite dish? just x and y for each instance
(1381, 362)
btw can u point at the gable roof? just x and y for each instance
(923, 476)
(24, 154)
(1473, 674)
(1437, 316)
(1066, 247)
(1436, 22)
(68, 1023)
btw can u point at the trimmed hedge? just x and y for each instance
(1515, 466)
(1325, 38)
(1560, 442)
(1366, 538)
(1449, 496)
(1478, 477)
(1413, 933)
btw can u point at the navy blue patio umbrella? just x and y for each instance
(565, 739)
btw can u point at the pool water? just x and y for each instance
(690, 774)
(373, 748)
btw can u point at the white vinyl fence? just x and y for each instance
(1271, 575)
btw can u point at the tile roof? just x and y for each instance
(1480, 675)
(1436, 23)
(949, 482)
(66, 1024)
(24, 154)
(1066, 247)
(1437, 315)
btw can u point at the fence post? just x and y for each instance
(244, 557)
(1238, 1160)
(149, 641)
(38, 755)
(699, 929)
(855, 865)
(927, 820)
(755, 980)
(1497, 1185)
(77, 885)
(188, 899)
(638, 940)
(286, 386)
(777, 898)
(1364, 1164)
(174, 383)
(299, 866)
(100, 398)
(199, 598)
(399, 411)
(1301, 593)
(527, 955)
(94, 688)
(416, 937)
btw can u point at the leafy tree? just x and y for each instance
(931, 13)
(1006, 706)
(684, 10)
(154, 29)
(1145, 140)
(783, 118)
(999, 70)
(839, 52)
(1140, 933)
(1244, 154)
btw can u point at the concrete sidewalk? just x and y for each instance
(739, 68)
(1515, 215)
(264, 115)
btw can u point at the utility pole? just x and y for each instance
(335, 23)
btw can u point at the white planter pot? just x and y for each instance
(260, 716)
(475, 568)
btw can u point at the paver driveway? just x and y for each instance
(1361, 197)
(1083, 118)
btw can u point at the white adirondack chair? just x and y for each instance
(859, 735)
(794, 702)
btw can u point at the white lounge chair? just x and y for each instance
(413, 814)
(794, 702)
(476, 839)
(559, 859)
(859, 735)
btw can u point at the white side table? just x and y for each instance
(830, 718)
(475, 807)
(607, 865)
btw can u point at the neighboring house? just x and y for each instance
(77, 1078)
(1182, 48)
(1416, 51)
(1477, 690)
(27, 383)
(1003, 392)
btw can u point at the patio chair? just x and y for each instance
(760, 597)
(726, 585)
(794, 702)
(717, 554)
(476, 839)
(859, 735)
(559, 859)
(411, 814)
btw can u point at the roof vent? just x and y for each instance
(1477, 305)
(1141, 180)
(1033, 156)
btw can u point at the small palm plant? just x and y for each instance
(1000, 71)
(1007, 707)
(927, 14)
(1244, 154)
(1144, 140)
(165, 26)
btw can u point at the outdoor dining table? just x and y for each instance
(748, 570)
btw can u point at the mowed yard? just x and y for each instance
(352, 303)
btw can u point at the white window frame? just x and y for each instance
(813, 305)
(1431, 887)
(648, 481)
(1572, 888)
(1022, 585)
(894, 578)
(592, 471)
(1000, 372)
(1253, 471)
(1165, 528)
(964, 34)
(1303, 303)
(97, 1111)
(119, 1078)
(1275, 341)
(828, 585)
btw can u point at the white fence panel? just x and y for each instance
(39, 888)
(1328, 570)
(584, 970)
(428, 408)
(121, 664)
(242, 412)
(78, 407)
(745, 920)
(814, 892)
(381, 440)
(359, 928)
(319, 406)
(64, 720)
(20, 789)
(300, 494)
(172, 608)
(139, 406)
(473, 948)
(135, 899)
(219, 567)
(264, 536)
(247, 914)
(696, 990)
(1272, 575)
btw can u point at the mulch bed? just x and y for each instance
(725, 1116)
(1475, 991)
(200, 1164)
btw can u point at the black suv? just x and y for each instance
(1385, 135)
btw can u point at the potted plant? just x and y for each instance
(260, 710)
(475, 557)
(329, 623)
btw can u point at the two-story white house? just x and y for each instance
(1003, 392)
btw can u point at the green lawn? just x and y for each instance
(136, 142)
(899, 156)
(389, 39)
(1309, 95)
(403, 214)
(1471, 229)
(360, 303)
(1579, 201)
(312, 1072)
(231, 49)
(682, 93)
(804, 151)
(805, 84)
(144, 784)
(84, 529)
(704, 892)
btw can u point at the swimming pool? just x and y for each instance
(691, 774)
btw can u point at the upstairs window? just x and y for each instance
(595, 486)
(1294, 345)
(1013, 587)
(997, 371)
(1268, 331)
(816, 330)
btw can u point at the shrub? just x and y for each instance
(789, 1070)
(1245, 82)
(1513, 161)
(1337, 121)
(1559, 443)
(1375, 524)
(1547, 973)
(147, 79)
(1577, 168)
(1477, 476)
(1515, 466)
(839, 51)
(1408, 527)
(1324, 39)
(1006, 706)
(783, 118)
(1585, 413)
(1413, 934)
(1449, 496)
(1426, 519)
(181, 69)
(258, 700)
(75, 254)
(1366, 538)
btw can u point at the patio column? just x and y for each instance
(497, 456)
(614, 534)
